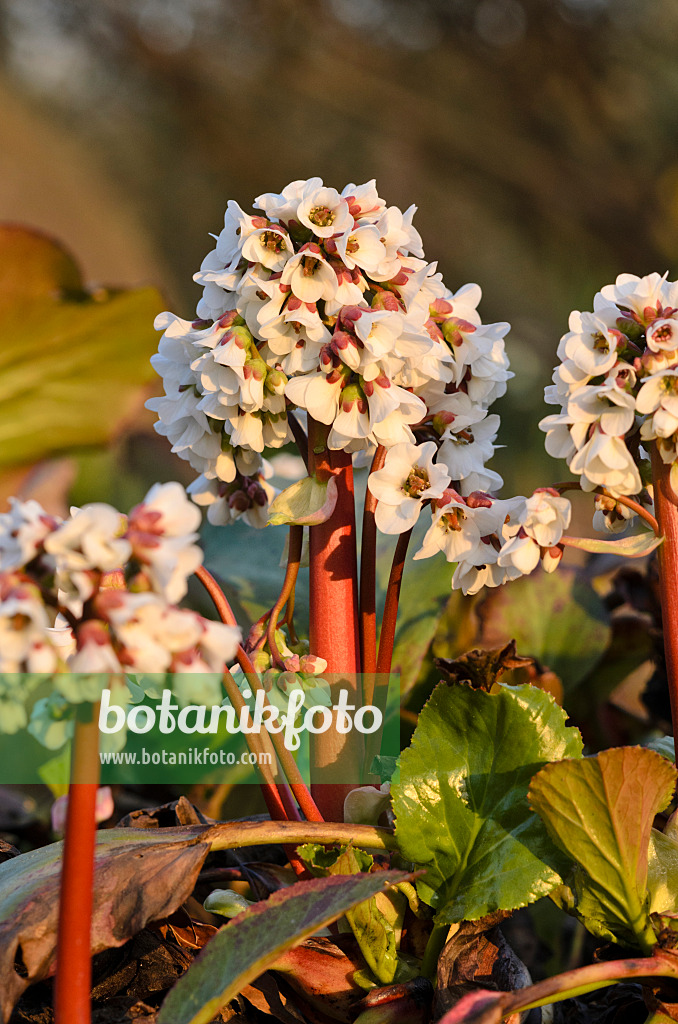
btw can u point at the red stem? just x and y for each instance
(667, 517)
(388, 623)
(571, 485)
(368, 578)
(333, 625)
(74, 967)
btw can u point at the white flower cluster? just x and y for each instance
(323, 302)
(121, 620)
(617, 386)
(492, 540)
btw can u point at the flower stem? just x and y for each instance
(571, 485)
(291, 573)
(73, 983)
(368, 584)
(388, 623)
(277, 800)
(667, 516)
(333, 625)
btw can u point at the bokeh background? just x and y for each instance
(538, 138)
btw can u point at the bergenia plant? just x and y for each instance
(322, 325)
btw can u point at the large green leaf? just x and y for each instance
(599, 811)
(248, 945)
(70, 362)
(557, 619)
(461, 802)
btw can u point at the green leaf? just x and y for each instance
(306, 503)
(461, 801)
(599, 811)
(637, 546)
(662, 873)
(384, 767)
(377, 923)
(557, 619)
(249, 944)
(71, 363)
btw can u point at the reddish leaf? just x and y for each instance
(139, 878)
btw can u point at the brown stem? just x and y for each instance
(635, 506)
(276, 796)
(74, 966)
(287, 762)
(368, 583)
(291, 573)
(389, 620)
(299, 437)
(667, 516)
(333, 625)
(218, 597)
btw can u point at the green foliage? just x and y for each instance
(557, 619)
(71, 362)
(376, 923)
(599, 811)
(461, 801)
(252, 942)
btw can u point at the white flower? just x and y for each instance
(639, 294)
(361, 247)
(607, 404)
(22, 532)
(457, 528)
(309, 275)
(468, 450)
(611, 516)
(270, 245)
(545, 516)
(161, 531)
(520, 553)
(470, 578)
(24, 640)
(662, 335)
(94, 654)
(90, 539)
(324, 211)
(605, 461)
(591, 343)
(407, 479)
(659, 396)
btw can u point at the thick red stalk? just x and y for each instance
(334, 633)
(666, 507)
(74, 967)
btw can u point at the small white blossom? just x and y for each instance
(407, 479)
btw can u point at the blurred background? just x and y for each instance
(538, 138)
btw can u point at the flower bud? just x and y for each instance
(312, 664)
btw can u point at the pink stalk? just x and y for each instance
(334, 633)
(74, 967)
(666, 507)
